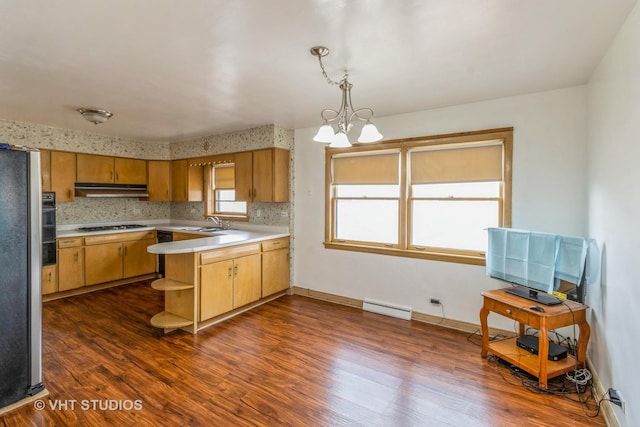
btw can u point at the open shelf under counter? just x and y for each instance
(166, 320)
(170, 285)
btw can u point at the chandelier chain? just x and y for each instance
(326, 76)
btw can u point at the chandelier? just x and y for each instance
(345, 115)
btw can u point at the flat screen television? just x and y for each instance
(529, 261)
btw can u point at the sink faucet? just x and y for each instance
(217, 221)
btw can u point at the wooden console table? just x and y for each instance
(556, 316)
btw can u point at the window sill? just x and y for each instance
(430, 255)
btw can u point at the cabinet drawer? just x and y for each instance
(229, 253)
(119, 237)
(271, 245)
(69, 242)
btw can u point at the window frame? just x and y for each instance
(403, 248)
(210, 195)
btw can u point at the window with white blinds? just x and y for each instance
(430, 197)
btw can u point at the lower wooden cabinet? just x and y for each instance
(216, 289)
(111, 257)
(229, 278)
(275, 266)
(70, 264)
(49, 279)
(246, 280)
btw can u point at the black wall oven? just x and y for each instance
(48, 228)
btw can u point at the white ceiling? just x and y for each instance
(171, 70)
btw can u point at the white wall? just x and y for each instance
(614, 212)
(549, 194)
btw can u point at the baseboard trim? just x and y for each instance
(416, 315)
(599, 391)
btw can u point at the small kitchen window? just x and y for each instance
(221, 194)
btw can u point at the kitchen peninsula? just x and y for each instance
(212, 278)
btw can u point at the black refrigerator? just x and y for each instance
(20, 276)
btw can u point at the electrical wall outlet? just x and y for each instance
(616, 398)
(136, 211)
(284, 214)
(258, 213)
(435, 301)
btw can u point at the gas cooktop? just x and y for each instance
(111, 227)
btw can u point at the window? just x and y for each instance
(221, 194)
(430, 197)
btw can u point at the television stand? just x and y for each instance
(556, 316)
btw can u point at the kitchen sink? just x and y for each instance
(189, 228)
(210, 229)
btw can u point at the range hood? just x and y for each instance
(85, 189)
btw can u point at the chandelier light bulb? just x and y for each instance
(369, 133)
(325, 134)
(340, 141)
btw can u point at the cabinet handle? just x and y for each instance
(125, 251)
(75, 257)
(235, 270)
(120, 251)
(229, 272)
(254, 193)
(249, 193)
(49, 277)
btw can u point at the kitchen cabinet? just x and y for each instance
(275, 266)
(187, 182)
(63, 175)
(45, 169)
(262, 175)
(216, 289)
(159, 180)
(49, 279)
(229, 278)
(203, 287)
(110, 170)
(70, 264)
(111, 257)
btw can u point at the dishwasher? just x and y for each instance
(163, 237)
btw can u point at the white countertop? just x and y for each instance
(219, 239)
(209, 240)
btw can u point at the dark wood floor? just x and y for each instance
(294, 361)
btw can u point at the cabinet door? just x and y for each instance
(179, 180)
(103, 263)
(70, 268)
(247, 286)
(130, 171)
(63, 175)
(244, 176)
(94, 168)
(275, 271)
(49, 279)
(159, 180)
(263, 176)
(45, 169)
(137, 261)
(216, 289)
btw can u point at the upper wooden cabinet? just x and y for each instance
(45, 169)
(106, 169)
(159, 180)
(187, 182)
(63, 175)
(262, 175)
